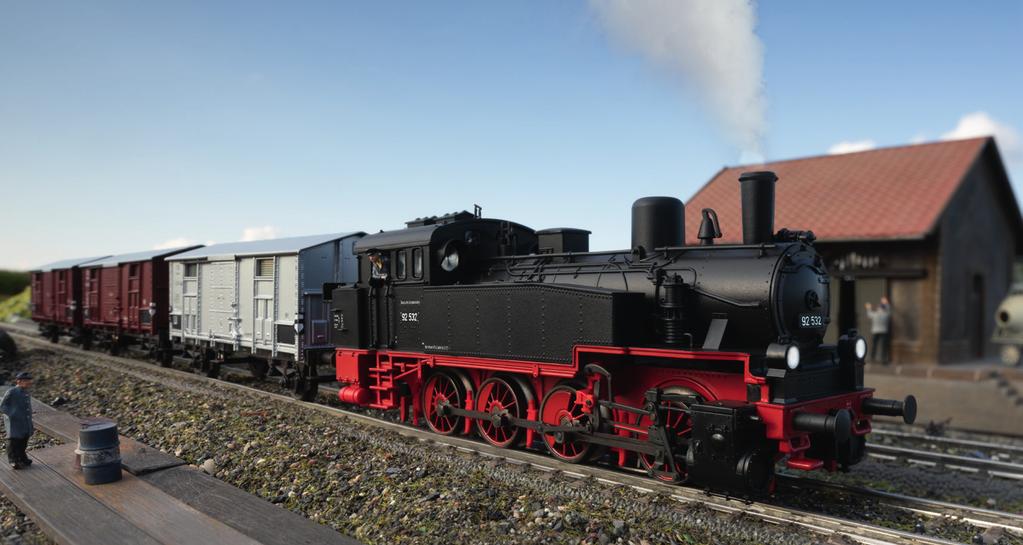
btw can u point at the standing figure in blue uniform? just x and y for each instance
(17, 409)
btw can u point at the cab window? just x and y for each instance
(399, 264)
(417, 263)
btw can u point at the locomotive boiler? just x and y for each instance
(700, 363)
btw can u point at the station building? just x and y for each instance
(935, 227)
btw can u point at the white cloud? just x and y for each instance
(711, 45)
(977, 124)
(852, 146)
(174, 243)
(919, 138)
(259, 233)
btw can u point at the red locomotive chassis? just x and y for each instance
(385, 379)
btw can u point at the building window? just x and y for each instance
(399, 264)
(417, 263)
(265, 267)
(93, 274)
(133, 269)
(191, 270)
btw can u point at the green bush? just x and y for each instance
(13, 282)
(16, 306)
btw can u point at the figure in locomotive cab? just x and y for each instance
(702, 364)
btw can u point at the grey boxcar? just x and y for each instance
(260, 302)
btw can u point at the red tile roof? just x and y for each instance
(888, 193)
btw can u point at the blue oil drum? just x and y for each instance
(99, 452)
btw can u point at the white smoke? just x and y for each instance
(711, 45)
(851, 146)
(264, 232)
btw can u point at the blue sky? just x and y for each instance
(126, 125)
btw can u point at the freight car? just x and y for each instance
(125, 302)
(56, 297)
(260, 303)
(704, 364)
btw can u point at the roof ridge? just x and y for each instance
(861, 152)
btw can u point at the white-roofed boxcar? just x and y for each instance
(260, 302)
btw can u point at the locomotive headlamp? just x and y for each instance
(860, 348)
(792, 357)
(788, 353)
(450, 259)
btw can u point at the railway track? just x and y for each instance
(1002, 451)
(821, 524)
(995, 468)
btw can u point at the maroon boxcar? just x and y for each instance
(56, 297)
(125, 300)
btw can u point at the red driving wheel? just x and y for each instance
(501, 398)
(678, 423)
(560, 409)
(443, 388)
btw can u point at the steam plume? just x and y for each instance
(711, 46)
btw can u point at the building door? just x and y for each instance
(868, 290)
(853, 295)
(976, 316)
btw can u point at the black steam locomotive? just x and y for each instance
(700, 363)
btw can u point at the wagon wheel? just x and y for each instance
(678, 423)
(258, 368)
(502, 398)
(444, 389)
(560, 409)
(306, 388)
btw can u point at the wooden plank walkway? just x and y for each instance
(64, 512)
(160, 500)
(158, 514)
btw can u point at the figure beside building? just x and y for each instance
(880, 318)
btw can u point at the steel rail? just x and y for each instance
(995, 468)
(860, 532)
(951, 441)
(977, 516)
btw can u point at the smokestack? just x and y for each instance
(757, 206)
(658, 222)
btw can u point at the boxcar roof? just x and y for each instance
(275, 246)
(67, 263)
(138, 256)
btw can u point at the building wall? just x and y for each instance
(977, 254)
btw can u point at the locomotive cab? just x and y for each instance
(384, 308)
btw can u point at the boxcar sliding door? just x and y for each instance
(190, 300)
(133, 292)
(263, 303)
